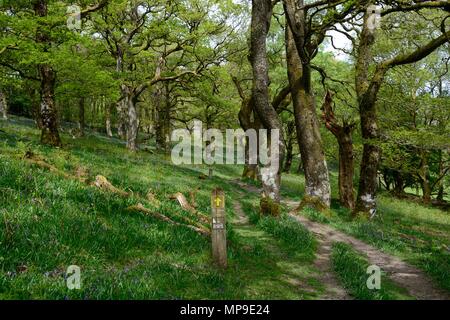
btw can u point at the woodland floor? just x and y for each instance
(49, 222)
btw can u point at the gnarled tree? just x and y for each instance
(367, 88)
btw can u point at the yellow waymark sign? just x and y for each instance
(218, 228)
(218, 199)
(218, 202)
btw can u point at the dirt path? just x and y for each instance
(415, 281)
(409, 277)
(322, 264)
(333, 289)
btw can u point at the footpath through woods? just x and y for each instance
(415, 281)
(332, 290)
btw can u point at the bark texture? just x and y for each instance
(132, 119)
(317, 182)
(260, 24)
(424, 175)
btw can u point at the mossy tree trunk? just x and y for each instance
(48, 115)
(317, 181)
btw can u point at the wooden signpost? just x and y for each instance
(218, 228)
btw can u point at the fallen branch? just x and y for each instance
(140, 208)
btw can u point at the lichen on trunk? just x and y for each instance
(260, 25)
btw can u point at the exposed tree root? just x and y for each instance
(182, 201)
(269, 207)
(34, 159)
(140, 208)
(152, 198)
(314, 203)
(185, 205)
(103, 183)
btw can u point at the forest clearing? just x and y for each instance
(224, 150)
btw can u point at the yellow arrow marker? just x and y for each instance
(218, 202)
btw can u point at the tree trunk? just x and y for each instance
(50, 134)
(343, 133)
(346, 169)
(424, 175)
(132, 124)
(317, 182)
(368, 185)
(250, 169)
(270, 176)
(289, 156)
(246, 122)
(122, 119)
(440, 183)
(367, 94)
(81, 122)
(162, 121)
(159, 122)
(3, 106)
(108, 121)
(399, 183)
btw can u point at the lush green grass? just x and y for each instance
(49, 222)
(351, 269)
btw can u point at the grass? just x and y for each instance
(351, 269)
(49, 222)
(295, 238)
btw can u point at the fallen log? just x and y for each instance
(140, 208)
